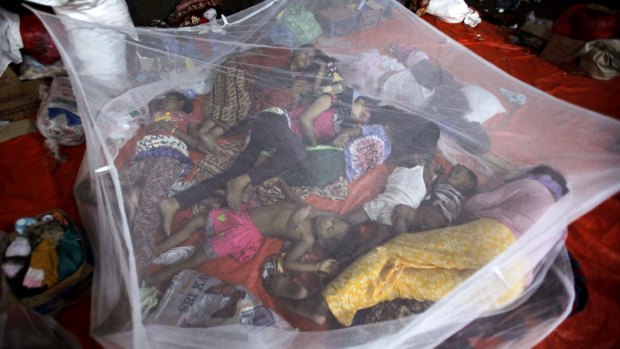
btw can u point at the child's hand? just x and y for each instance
(327, 266)
(299, 217)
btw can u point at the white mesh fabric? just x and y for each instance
(534, 129)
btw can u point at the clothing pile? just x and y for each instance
(42, 254)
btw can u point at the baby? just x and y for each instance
(239, 234)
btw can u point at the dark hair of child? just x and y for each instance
(188, 106)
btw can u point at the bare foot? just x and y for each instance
(234, 190)
(168, 207)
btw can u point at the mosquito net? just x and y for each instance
(216, 153)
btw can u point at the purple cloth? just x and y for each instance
(367, 151)
(517, 204)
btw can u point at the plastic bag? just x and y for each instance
(209, 302)
(453, 11)
(11, 41)
(600, 59)
(58, 119)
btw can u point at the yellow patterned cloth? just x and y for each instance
(423, 266)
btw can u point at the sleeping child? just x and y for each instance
(405, 206)
(239, 234)
(441, 207)
(161, 157)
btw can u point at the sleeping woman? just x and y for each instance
(251, 81)
(426, 266)
(409, 79)
(324, 119)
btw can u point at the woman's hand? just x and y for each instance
(345, 135)
(341, 140)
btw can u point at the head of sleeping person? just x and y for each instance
(361, 108)
(551, 179)
(354, 108)
(463, 180)
(447, 198)
(302, 57)
(175, 101)
(413, 137)
(328, 227)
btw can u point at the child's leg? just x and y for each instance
(194, 225)
(132, 198)
(166, 273)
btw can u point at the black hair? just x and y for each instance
(188, 106)
(474, 180)
(555, 175)
(345, 246)
(411, 133)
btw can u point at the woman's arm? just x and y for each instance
(321, 104)
(289, 193)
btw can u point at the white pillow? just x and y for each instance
(483, 104)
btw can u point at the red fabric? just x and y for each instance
(593, 239)
(584, 23)
(37, 41)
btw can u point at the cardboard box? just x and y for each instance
(344, 20)
(18, 99)
(17, 128)
(338, 21)
(534, 35)
(370, 15)
(561, 49)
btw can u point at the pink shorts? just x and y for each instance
(232, 234)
